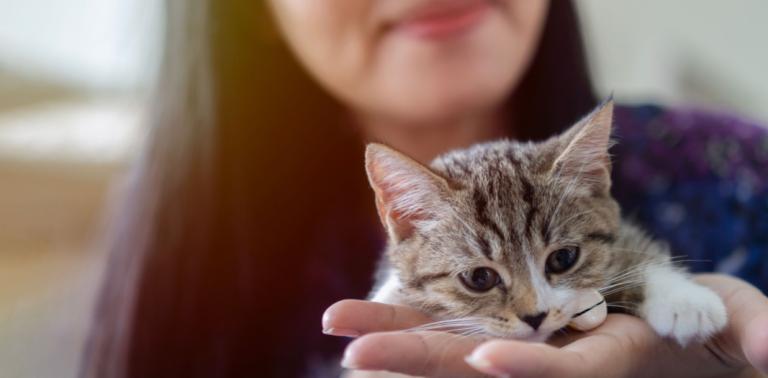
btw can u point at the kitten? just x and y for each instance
(504, 238)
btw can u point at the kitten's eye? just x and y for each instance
(561, 260)
(480, 279)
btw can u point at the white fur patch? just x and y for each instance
(387, 292)
(544, 292)
(679, 308)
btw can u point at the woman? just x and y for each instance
(249, 212)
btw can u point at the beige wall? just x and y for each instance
(53, 191)
(709, 52)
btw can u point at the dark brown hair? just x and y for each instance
(250, 202)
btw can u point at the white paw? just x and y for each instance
(684, 311)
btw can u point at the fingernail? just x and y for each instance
(348, 362)
(341, 332)
(484, 365)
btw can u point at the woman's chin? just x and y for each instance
(444, 106)
(431, 81)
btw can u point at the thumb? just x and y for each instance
(522, 359)
(747, 332)
(612, 351)
(755, 344)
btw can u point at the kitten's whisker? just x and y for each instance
(473, 332)
(683, 260)
(446, 324)
(634, 270)
(639, 269)
(625, 277)
(444, 328)
(620, 286)
(450, 335)
(622, 278)
(630, 281)
(669, 260)
(608, 291)
(431, 334)
(631, 309)
(457, 320)
(622, 302)
(620, 289)
(461, 319)
(451, 339)
(436, 325)
(634, 273)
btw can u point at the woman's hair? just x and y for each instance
(226, 248)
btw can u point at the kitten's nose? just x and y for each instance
(534, 320)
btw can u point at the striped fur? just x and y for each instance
(508, 205)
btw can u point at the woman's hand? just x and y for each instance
(622, 346)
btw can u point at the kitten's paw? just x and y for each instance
(686, 312)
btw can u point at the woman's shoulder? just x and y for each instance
(699, 180)
(687, 117)
(688, 143)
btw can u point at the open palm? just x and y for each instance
(622, 346)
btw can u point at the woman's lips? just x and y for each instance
(443, 19)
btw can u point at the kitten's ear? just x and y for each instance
(583, 157)
(408, 194)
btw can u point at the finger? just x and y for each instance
(613, 350)
(747, 316)
(433, 354)
(355, 317)
(755, 345)
(521, 359)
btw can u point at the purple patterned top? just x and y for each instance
(700, 182)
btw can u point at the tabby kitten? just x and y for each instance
(504, 238)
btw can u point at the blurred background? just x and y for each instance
(75, 78)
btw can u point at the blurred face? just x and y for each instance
(414, 60)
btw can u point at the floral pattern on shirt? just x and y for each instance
(698, 181)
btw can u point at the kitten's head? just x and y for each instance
(512, 234)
